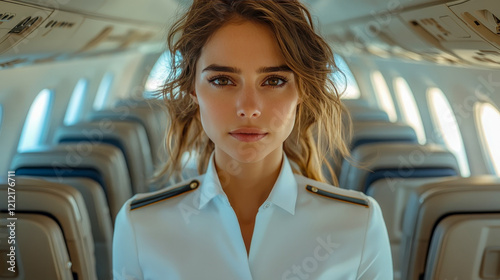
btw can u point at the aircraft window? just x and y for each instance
(489, 118)
(384, 95)
(445, 120)
(75, 103)
(103, 91)
(36, 120)
(346, 80)
(409, 106)
(158, 75)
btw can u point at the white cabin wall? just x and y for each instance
(20, 86)
(361, 73)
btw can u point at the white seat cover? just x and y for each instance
(431, 202)
(67, 206)
(467, 245)
(41, 251)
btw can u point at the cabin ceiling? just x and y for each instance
(464, 32)
(146, 11)
(337, 11)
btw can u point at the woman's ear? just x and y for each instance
(194, 97)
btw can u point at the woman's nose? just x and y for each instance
(249, 104)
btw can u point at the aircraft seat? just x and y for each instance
(360, 114)
(358, 102)
(35, 233)
(392, 196)
(102, 163)
(469, 244)
(129, 137)
(67, 206)
(100, 220)
(368, 132)
(477, 257)
(396, 160)
(150, 118)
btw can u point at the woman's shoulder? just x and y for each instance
(325, 190)
(174, 190)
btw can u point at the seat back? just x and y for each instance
(467, 245)
(40, 250)
(353, 103)
(367, 132)
(396, 160)
(361, 114)
(148, 117)
(430, 203)
(129, 137)
(100, 220)
(102, 163)
(66, 205)
(392, 196)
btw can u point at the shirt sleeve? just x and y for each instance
(125, 254)
(376, 260)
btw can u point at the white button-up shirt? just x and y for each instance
(298, 235)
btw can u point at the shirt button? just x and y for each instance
(266, 205)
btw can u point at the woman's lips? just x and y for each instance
(248, 134)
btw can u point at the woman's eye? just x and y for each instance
(275, 82)
(221, 81)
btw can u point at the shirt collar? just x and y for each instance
(283, 194)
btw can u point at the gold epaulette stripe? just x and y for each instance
(138, 203)
(357, 201)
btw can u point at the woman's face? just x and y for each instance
(247, 95)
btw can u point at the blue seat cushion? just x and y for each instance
(63, 172)
(106, 140)
(407, 173)
(364, 141)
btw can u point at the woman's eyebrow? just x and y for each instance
(220, 68)
(281, 68)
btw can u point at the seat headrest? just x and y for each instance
(380, 131)
(403, 160)
(361, 114)
(66, 160)
(129, 137)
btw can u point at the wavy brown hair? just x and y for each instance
(310, 58)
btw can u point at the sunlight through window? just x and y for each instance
(36, 121)
(409, 108)
(103, 92)
(488, 119)
(73, 113)
(346, 83)
(158, 74)
(384, 95)
(445, 121)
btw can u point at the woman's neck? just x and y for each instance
(248, 183)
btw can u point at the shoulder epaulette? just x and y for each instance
(141, 202)
(336, 196)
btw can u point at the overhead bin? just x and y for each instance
(463, 32)
(342, 10)
(469, 30)
(482, 17)
(145, 11)
(28, 37)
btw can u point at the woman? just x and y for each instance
(248, 90)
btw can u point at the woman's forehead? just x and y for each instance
(242, 44)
